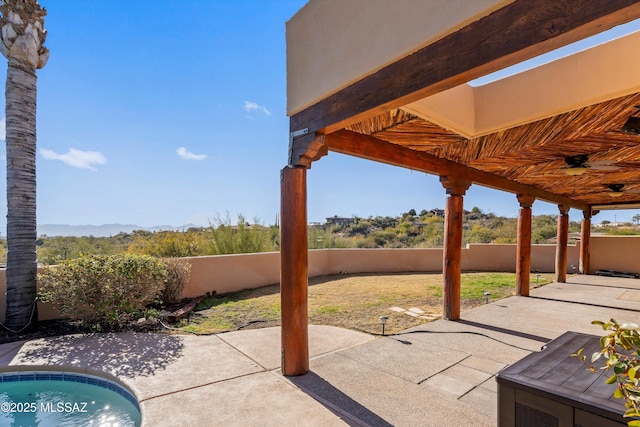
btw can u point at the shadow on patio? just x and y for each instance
(438, 374)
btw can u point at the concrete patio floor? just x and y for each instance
(439, 374)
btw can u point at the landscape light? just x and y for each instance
(383, 319)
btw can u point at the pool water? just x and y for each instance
(64, 400)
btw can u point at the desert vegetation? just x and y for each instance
(107, 291)
(226, 236)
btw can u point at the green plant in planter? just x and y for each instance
(620, 349)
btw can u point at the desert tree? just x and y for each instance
(22, 35)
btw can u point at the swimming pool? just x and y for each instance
(64, 399)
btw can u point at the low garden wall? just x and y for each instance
(228, 273)
(621, 253)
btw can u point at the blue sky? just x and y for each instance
(170, 112)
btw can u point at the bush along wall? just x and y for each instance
(104, 291)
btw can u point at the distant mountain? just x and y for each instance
(104, 230)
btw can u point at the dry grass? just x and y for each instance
(351, 301)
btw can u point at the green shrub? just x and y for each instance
(383, 238)
(368, 243)
(361, 228)
(225, 238)
(479, 234)
(320, 238)
(622, 231)
(170, 244)
(103, 290)
(618, 357)
(178, 272)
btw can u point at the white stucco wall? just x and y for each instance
(333, 43)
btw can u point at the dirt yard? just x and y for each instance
(354, 301)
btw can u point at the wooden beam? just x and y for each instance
(452, 246)
(370, 148)
(585, 243)
(180, 313)
(561, 246)
(519, 31)
(306, 149)
(294, 272)
(523, 248)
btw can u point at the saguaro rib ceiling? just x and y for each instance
(583, 131)
(532, 154)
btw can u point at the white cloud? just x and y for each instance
(76, 158)
(3, 129)
(250, 106)
(187, 155)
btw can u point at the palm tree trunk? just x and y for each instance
(21, 311)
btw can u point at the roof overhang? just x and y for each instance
(331, 45)
(602, 73)
(394, 80)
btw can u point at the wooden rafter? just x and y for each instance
(368, 147)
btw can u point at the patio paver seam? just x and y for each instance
(243, 353)
(590, 304)
(327, 353)
(470, 390)
(11, 347)
(444, 369)
(201, 385)
(326, 403)
(386, 372)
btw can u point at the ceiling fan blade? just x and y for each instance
(604, 168)
(600, 163)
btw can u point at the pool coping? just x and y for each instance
(47, 373)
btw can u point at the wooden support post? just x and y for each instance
(452, 248)
(294, 271)
(523, 250)
(561, 247)
(585, 242)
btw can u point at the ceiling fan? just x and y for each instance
(579, 164)
(616, 190)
